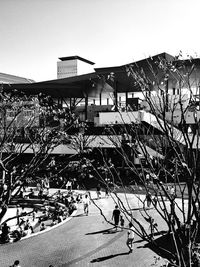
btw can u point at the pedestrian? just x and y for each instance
(34, 214)
(5, 232)
(116, 216)
(155, 200)
(106, 192)
(18, 213)
(98, 191)
(172, 192)
(38, 186)
(46, 184)
(69, 185)
(130, 237)
(122, 222)
(148, 199)
(16, 264)
(147, 178)
(86, 203)
(42, 227)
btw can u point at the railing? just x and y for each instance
(112, 118)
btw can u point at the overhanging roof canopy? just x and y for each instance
(77, 86)
(127, 83)
(91, 84)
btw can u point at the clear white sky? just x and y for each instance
(34, 33)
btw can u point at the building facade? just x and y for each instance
(110, 97)
(73, 66)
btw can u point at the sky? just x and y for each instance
(35, 33)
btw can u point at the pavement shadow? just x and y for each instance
(159, 233)
(164, 244)
(109, 257)
(105, 231)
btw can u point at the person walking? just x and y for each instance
(18, 213)
(86, 203)
(116, 216)
(106, 192)
(122, 222)
(98, 191)
(130, 237)
(155, 200)
(148, 199)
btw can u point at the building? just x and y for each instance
(109, 97)
(73, 66)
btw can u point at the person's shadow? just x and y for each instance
(109, 257)
(105, 231)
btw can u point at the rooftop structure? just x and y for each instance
(73, 66)
(76, 57)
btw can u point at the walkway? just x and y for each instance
(82, 241)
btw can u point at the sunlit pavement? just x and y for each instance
(81, 241)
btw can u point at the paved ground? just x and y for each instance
(82, 241)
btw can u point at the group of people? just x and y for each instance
(23, 228)
(61, 206)
(98, 191)
(118, 218)
(42, 188)
(56, 208)
(70, 202)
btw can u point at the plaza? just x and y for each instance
(82, 241)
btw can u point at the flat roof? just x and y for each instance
(76, 57)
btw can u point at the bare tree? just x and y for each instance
(160, 152)
(30, 127)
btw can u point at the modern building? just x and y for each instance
(108, 96)
(73, 66)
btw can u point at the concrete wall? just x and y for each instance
(73, 67)
(118, 117)
(66, 68)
